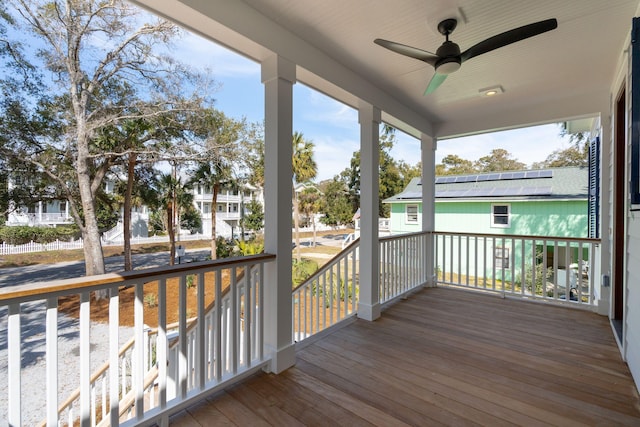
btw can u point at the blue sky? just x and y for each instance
(333, 127)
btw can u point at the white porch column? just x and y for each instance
(369, 298)
(278, 76)
(604, 257)
(428, 147)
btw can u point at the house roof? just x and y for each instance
(556, 183)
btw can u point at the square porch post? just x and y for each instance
(369, 264)
(428, 147)
(278, 76)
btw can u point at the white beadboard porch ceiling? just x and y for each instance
(562, 74)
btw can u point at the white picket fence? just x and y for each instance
(6, 249)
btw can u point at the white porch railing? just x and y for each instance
(209, 347)
(328, 296)
(554, 269)
(403, 264)
(331, 294)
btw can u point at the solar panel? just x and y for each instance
(494, 192)
(410, 195)
(506, 175)
(503, 176)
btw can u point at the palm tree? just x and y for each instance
(309, 203)
(304, 169)
(212, 174)
(172, 194)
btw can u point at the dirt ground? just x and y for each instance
(100, 308)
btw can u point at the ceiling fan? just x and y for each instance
(448, 57)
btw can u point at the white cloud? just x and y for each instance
(311, 106)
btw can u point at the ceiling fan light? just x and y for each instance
(448, 67)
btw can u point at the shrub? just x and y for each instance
(24, 234)
(151, 300)
(224, 248)
(253, 247)
(302, 270)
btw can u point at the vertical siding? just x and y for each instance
(631, 333)
(632, 303)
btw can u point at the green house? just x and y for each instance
(551, 202)
(534, 203)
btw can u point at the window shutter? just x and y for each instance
(594, 188)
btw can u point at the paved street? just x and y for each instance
(66, 270)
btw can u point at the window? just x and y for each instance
(500, 216)
(502, 257)
(412, 213)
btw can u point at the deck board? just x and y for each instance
(444, 357)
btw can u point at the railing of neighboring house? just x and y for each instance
(115, 232)
(327, 296)
(222, 215)
(552, 269)
(403, 264)
(39, 218)
(209, 347)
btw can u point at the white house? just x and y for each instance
(230, 206)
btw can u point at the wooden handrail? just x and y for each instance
(43, 290)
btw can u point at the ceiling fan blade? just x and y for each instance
(435, 83)
(412, 52)
(509, 37)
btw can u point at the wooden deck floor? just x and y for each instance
(443, 357)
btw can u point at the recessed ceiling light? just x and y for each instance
(491, 91)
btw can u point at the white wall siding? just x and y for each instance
(632, 298)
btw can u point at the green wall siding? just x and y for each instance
(398, 223)
(541, 218)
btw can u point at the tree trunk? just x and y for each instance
(92, 246)
(126, 216)
(172, 234)
(296, 221)
(313, 223)
(214, 200)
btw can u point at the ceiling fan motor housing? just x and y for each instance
(449, 61)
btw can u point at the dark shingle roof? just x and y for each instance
(557, 183)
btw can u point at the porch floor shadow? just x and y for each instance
(443, 357)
